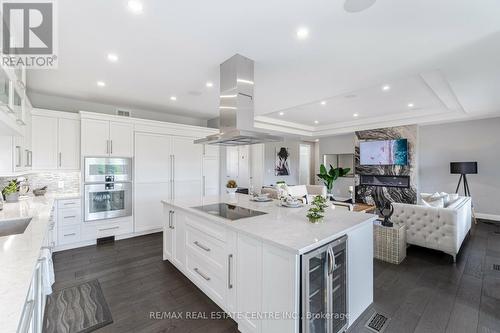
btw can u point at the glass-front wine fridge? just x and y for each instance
(324, 288)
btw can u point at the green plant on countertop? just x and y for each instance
(12, 187)
(231, 184)
(316, 213)
(330, 176)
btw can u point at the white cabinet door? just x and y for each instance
(95, 137)
(210, 176)
(148, 207)
(178, 225)
(232, 161)
(187, 171)
(69, 144)
(209, 150)
(121, 136)
(249, 282)
(44, 142)
(152, 158)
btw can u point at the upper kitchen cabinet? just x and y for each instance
(102, 137)
(12, 115)
(55, 140)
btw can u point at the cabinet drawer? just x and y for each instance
(69, 216)
(69, 234)
(207, 247)
(206, 227)
(114, 228)
(208, 278)
(68, 203)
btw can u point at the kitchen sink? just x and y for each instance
(13, 227)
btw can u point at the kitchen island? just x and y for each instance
(268, 267)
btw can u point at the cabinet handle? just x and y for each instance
(18, 163)
(71, 234)
(173, 176)
(27, 152)
(229, 260)
(172, 219)
(30, 158)
(69, 217)
(107, 146)
(60, 159)
(111, 145)
(112, 228)
(204, 187)
(201, 274)
(201, 246)
(69, 203)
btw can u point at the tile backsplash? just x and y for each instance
(69, 180)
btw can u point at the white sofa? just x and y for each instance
(442, 229)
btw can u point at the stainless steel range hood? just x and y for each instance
(236, 107)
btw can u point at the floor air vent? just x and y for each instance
(496, 267)
(377, 322)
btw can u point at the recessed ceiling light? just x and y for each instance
(101, 84)
(323, 102)
(355, 6)
(316, 122)
(173, 98)
(355, 115)
(209, 84)
(386, 87)
(317, 140)
(410, 105)
(135, 6)
(282, 113)
(112, 57)
(302, 33)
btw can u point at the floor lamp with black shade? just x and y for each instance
(463, 169)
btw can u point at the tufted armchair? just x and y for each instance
(442, 229)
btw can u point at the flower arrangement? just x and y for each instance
(231, 186)
(316, 213)
(11, 191)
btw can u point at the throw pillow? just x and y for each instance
(437, 203)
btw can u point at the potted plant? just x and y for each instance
(316, 213)
(231, 186)
(11, 191)
(330, 176)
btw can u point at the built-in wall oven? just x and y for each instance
(324, 288)
(108, 188)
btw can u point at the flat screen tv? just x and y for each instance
(387, 152)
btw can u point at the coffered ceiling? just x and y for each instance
(440, 56)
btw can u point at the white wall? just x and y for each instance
(477, 140)
(60, 103)
(339, 144)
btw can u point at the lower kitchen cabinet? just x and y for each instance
(236, 271)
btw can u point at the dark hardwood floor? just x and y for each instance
(425, 293)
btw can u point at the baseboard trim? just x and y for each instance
(492, 217)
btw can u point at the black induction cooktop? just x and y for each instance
(228, 211)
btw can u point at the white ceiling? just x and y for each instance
(175, 47)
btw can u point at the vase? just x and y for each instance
(316, 220)
(231, 190)
(12, 197)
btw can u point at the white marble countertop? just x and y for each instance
(19, 254)
(287, 228)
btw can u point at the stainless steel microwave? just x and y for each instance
(107, 170)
